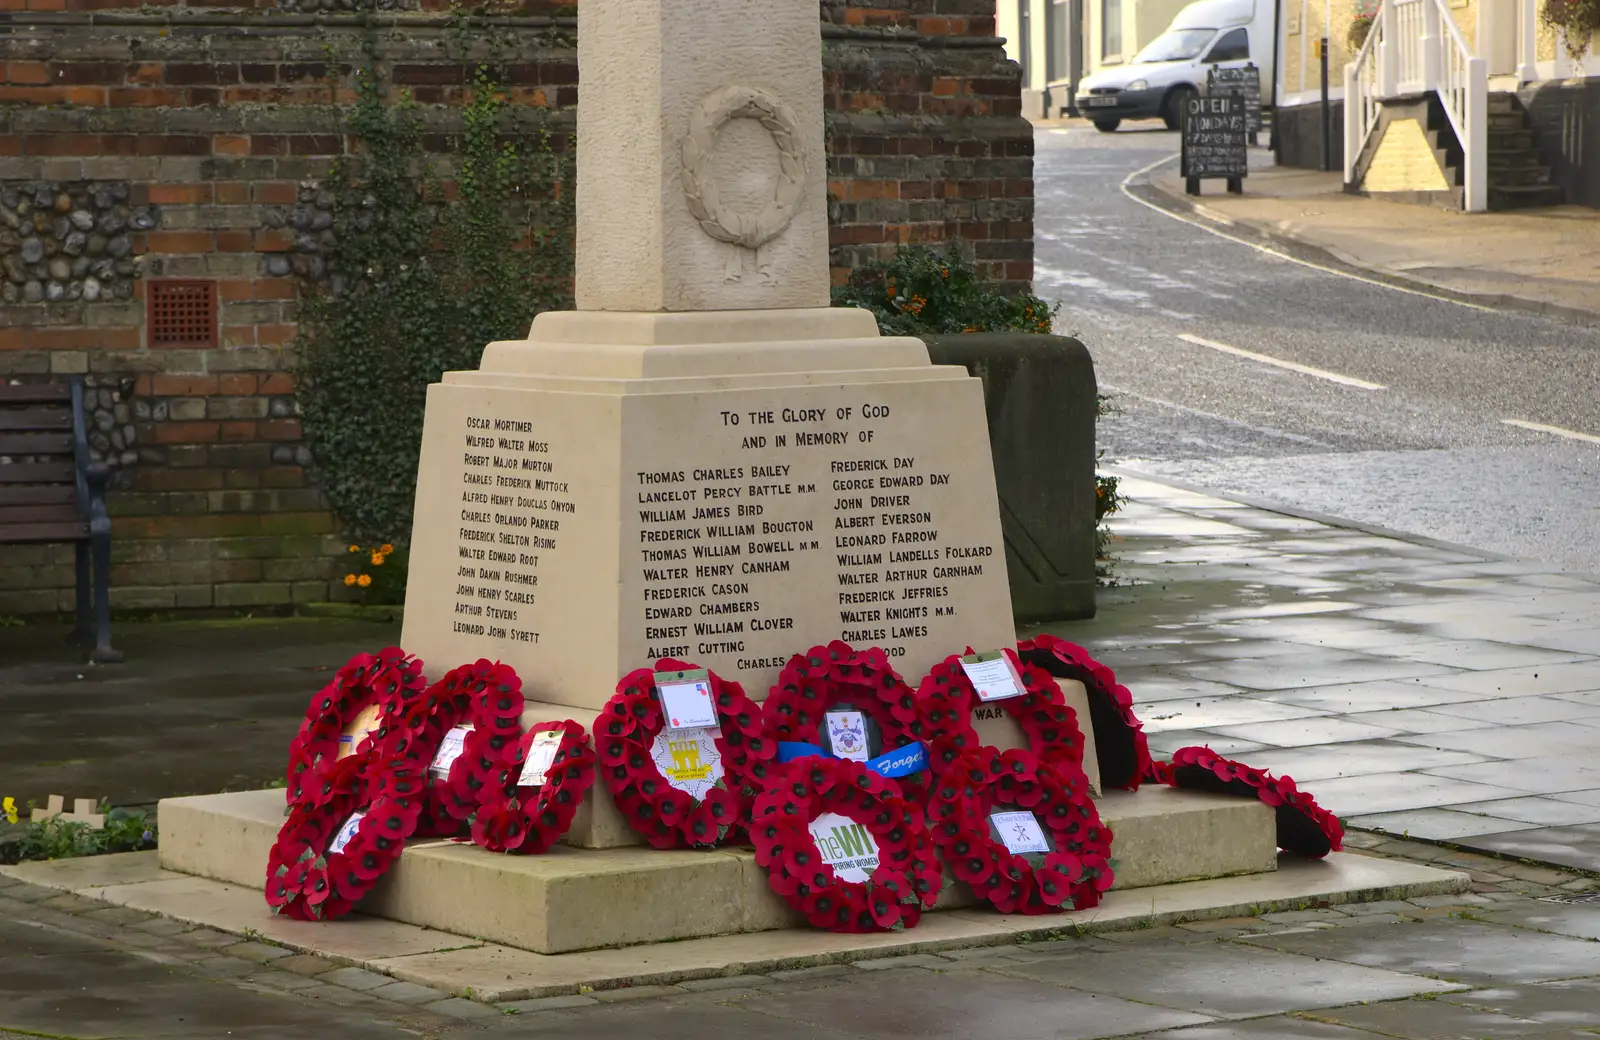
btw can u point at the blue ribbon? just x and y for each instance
(904, 761)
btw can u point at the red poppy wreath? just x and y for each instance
(1023, 833)
(330, 854)
(1304, 827)
(366, 701)
(948, 699)
(682, 787)
(540, 780)
(1119, 739)
(476, 707)
(839, 702)
(843, 847)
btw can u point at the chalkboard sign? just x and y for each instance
(1246, 82)
(1213, 141)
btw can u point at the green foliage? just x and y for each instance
(1578, 21)
(923, 291)
(126, 830)
(419, 284)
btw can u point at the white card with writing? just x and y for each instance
(1020, 831)
(450, 749)
(541, 756)
(689, 705)
(846, 846)
(847, 734)
(348, 831)
(994, 680)
(689, 759)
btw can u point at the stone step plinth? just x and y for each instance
(577, 899)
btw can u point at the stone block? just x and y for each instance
(1163, 834)
(578, 899)
(1039, 392)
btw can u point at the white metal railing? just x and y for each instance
(1416, 48)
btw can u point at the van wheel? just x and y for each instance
(1172, 107)
(1107, 126)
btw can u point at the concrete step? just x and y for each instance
(1523, 196)
(580, 899)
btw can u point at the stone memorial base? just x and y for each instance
(722, 488)
(577, 899)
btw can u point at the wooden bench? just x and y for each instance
(51, 491)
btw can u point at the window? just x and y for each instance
(181, 313)
(1057, 36)
(1234, 46)
(1110, 28)
(1025, 44)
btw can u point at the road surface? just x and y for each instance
(1360, 401)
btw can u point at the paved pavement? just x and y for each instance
(1516, 958)
(1414, 688)
(1407, 416)
(198, 707)
(1545, 260)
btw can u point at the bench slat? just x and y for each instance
(35, 444)
(35, 418)
(42, 514)
(50, 532)
(38, 473)
(35, 393)
(38, 494)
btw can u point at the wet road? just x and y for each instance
(1403, 421)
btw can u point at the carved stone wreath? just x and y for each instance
(699, 177)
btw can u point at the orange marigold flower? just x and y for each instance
(355, 548)
(364, 580)
(386, 548)
(377, 559)
(349, 579)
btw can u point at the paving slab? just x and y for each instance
(1556, 810)
(1536, 740)
(1580, 920)
(1453, 951)
(1276, 1027)
(1574, 1002)
(1205, 979)
(1438, 824)
(1391, 792)
(1439, 1020)
(960, 1005)
(1544, 774)
(1577, 847)
(1353, 758)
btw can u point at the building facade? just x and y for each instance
(1537, 125)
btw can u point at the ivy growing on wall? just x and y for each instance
(419, 282)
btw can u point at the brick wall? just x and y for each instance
(203, 128)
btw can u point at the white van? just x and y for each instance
(1226, 33)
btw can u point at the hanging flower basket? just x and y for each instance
(1304, 827)
(1577, 21)
(1355, 37)
(837, 702)
(947, 699)
(372, 692)
(328, 855)
(688, 787)
(1063, 857)
(842, 846)
(1119, 740)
